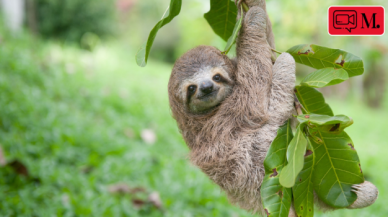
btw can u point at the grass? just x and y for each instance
(74, 119)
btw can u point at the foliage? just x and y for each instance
(173, 10)
(319, 57)
(69, 20)
(222, 17)
(233, 36)
(295, 152)
(331, 164)
(338, 166)
(312, 101)
(275, 197)
(304, 186)
(325, 77)
(222, 21)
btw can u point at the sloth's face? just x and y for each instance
(201, 79)
(206, 89)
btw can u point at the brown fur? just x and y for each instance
(262, 4)
(229, 143)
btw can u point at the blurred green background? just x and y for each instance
(84, 131)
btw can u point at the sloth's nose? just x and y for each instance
(206, 87)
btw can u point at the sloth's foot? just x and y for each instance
(367, 194)
(292, 212)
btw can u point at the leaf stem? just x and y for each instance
(165, 12)
(273, 58)
(298, 106)
(304, 109)
(276, 51)
(245, 6)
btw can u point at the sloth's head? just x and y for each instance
(201, 79)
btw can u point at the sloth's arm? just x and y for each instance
(254, 65)
(274, 84)
(252, 42)
(269, 33)
(281, 102)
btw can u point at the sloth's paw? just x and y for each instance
(367, 194)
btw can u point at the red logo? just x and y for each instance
(356, 20)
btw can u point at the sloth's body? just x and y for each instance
(229, 111)
(229, 140)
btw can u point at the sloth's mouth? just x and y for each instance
(208, 95)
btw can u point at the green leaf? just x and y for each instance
(326, 123)
(320, 57)
(325, 77)
(295, 153)
(337, 168)
(222, 17)
(312, 100)
(276, 155)
(173, 10)
(303, 189)
(140, 56)
(276, 199)
(232, 38)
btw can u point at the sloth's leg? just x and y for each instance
(281, 102)
(292, 212)
(367, 194)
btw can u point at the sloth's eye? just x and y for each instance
(192, 89)
(217, 77)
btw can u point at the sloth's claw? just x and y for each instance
(367, 194)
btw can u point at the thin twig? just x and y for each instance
(276, 51)
(273, 58)
(299, 106)
(304, 109)
(245, 6)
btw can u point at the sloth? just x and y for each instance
(229, 110)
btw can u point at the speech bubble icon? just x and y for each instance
(345, 19)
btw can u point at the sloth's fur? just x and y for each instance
(230, 141)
